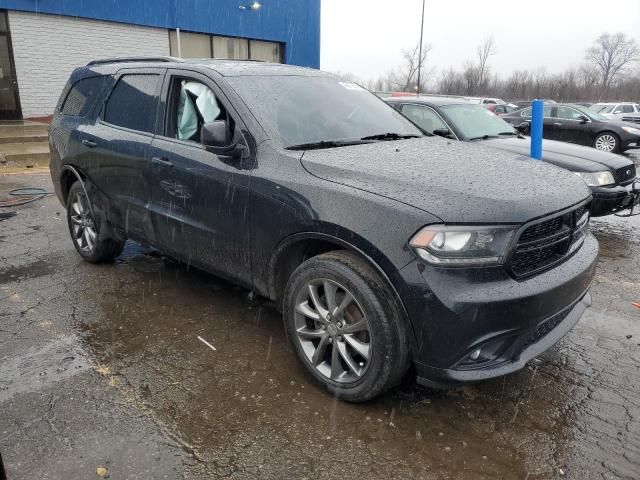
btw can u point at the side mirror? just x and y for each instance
(216, 138)
(442, 132)
(523, 127)
(582, 119)
(215, 134)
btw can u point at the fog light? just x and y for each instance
(475, 355)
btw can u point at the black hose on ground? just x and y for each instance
(25, 195)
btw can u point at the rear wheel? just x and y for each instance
(607, 142)
(85, 230)
(345, 326)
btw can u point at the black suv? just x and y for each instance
(383, 248)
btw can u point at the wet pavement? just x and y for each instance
(102, 367)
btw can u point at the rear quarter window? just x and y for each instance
(82, 96)
(133, 102)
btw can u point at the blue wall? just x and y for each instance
(293, 22)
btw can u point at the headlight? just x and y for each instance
(631, 130)
(597, 179)
(462, 245)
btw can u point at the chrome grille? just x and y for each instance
(625, 174)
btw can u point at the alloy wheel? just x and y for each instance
(333, 331)
(606, 143)
(83, 224)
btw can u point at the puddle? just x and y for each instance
(249, 402)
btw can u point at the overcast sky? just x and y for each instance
(365, 37)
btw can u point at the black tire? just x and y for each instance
(387, 337)
(607, 135)
(100, 248)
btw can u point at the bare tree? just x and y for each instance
(611, 55)
(408, 72)
(470, 74)
(485, 50)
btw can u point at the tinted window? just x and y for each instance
(82, 95)
(424, 117)
(132, 104)
(627, 109)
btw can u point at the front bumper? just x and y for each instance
(522, 350)
(608, 200)
(455, 312)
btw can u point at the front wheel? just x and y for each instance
(345, 326)
(91, 244)
(607, 142)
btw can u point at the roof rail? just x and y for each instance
(133, 59)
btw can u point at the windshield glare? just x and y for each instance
(474, 121)
(298, 110)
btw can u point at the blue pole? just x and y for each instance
(537, 119)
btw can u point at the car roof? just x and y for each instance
(226, 68)
(426, 99)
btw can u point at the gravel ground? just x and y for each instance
(101, 367)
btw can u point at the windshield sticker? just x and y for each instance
(351, 86)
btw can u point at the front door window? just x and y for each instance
(197, 105)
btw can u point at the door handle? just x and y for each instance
(557, 124)
(161, 161)
(89, 143)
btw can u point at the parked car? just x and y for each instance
(382, 247)
(501, 109)
(527, 103)
(626, 111)
(611, 177)
(575, 124)
(485, 101)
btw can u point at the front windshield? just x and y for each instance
(299, 110)
(475, 122)
(594, 115)
(600, 108)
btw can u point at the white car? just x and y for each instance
(617, 111)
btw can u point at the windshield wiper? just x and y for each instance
(508, 133)
(483, 137)
(390, 136)
(324, 144)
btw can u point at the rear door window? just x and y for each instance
(133, 103)
(82, 95)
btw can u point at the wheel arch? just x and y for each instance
(298, 247)
(68, 176)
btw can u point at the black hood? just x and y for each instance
(566, 155)
(454, 181)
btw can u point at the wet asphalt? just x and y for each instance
(101, 368)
